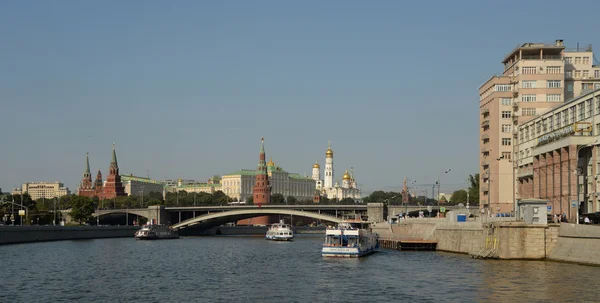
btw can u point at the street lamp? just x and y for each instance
(438, 186)
(580, 173)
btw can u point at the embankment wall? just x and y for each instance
(27, 234)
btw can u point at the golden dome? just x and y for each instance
(316, 165)
(270, 163)
(346, 176)
(329, 152)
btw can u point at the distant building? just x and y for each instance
(135, 185)
(109, 189)
(192, 186)
(326, 187)
(39, 190)
(444, 196)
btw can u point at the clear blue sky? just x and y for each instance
(188, 88)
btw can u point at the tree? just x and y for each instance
(474, 189)
(347, 201)
(292, 200)
(220, 198)
(250, 200)
(277, 199)
(82, 209)
(459, 196)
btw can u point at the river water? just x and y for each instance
(251, 269)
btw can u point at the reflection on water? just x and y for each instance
(251, 269)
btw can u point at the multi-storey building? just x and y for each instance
(140, 185)
(558, 156)
(536, 78)
(211, 186)
(39, 190)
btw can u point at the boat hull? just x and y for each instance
(346, 252)
(280, 238)
(156, 237)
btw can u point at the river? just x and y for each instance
(251, 269)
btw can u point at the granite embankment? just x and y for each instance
(26, 234)
(502, 240)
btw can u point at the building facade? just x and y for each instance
(39, 190)
(134, 185)
(327, 188)
(210, 187)
(536, 78)
(558, 156)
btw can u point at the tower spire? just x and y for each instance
(114, 156)
(262, 145)
(87, 163)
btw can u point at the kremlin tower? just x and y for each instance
(328, 167)
(113, 187)
(85, 188)
(261, 191)
(98, 184)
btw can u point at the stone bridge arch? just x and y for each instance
(140, 212)
(216, 219)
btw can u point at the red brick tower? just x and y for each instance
(85, 188)
(98, 184)
(113, 187)
(405, 193)
(261, 190)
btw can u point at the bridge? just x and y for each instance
(205, 216)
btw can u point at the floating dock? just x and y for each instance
(408, 245)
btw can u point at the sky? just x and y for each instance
(186, 89)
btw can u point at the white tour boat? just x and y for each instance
(156, 232)
(350, 239)
(280, 232)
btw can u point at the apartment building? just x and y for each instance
(536, 78)
(558, 156)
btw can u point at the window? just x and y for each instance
(577, 60)
(506, 155)
(506, 101)
(553, 98)
(538, 127)
(565, 115)
(580, 111)
(598, 130)
(527, 133)
(528, 98)
(528, 70)
(528, 84)
(553, 84)
(585, 86)
(545, 125)
(577, 74)
(506, 141)
(506, 128)
(597, 74)
(553, 70)
(569, 74)
(506, 114)
(568, 60)
(586, 73)
(502, 87)
(596, 85)
(586, 60)
(570, 87)
(558, 121)
(528, 111)
(589, 106)
(572, 114)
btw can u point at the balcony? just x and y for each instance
(485, 163)
(485, 188)
(515, 133)
(486, 174)
(515, 94)
(485, 123)
(485, 137)
(485, 111)
(484, 150)
(515, 105)
(515, 118)
(524, 173)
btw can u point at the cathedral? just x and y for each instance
(327, 188)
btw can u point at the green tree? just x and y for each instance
(82, 209)
(459, 196)
(277, 199)
(347, 201)
(220, 198)
(474, 189)
(250, 200)
(292, 200)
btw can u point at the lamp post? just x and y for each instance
(438, 186)
(578, 173)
